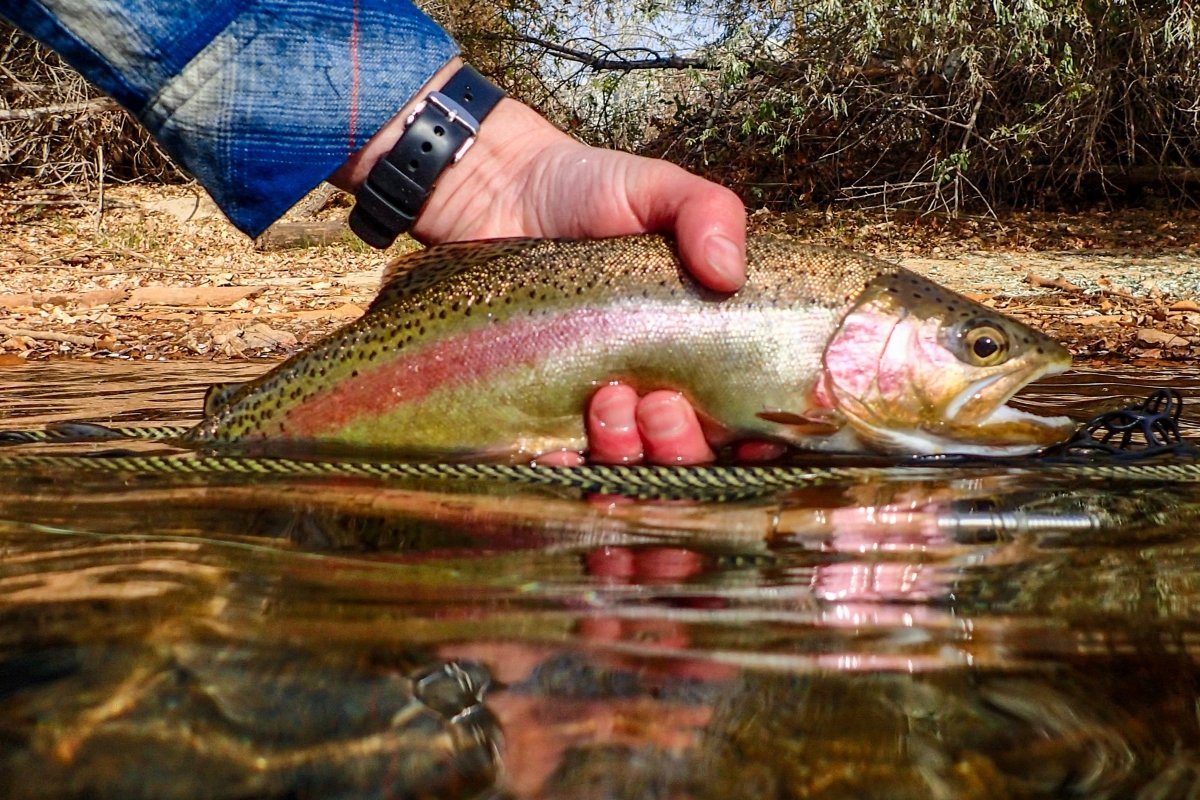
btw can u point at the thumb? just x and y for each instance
(708, 220)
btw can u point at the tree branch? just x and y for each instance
(606, 58)
(80, 107)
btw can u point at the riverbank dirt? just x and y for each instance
(155, 272)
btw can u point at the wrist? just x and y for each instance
(482, 194)
(353, 173)
(486, 193)
(437, 134)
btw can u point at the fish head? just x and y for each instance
(916, 368)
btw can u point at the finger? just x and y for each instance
(671, 433)
(711, 232)
(708, 220)
(562, 458)
(759, 451)
(612, 428)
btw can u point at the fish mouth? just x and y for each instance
(979, 420)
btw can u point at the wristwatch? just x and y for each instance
(437, 134)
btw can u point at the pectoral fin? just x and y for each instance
(810, 423)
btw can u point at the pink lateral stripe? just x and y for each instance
(469, 358)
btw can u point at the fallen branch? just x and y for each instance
(316, 202)
(65, 203)
(80, 107)
(286, 235)
(1060, 283)
(49, 336)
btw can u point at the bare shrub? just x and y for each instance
(56, 128)
(939, 105)
(924, 104)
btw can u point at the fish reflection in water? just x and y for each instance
(980, 636)
(174, 639)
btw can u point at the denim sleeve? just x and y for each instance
(261, 100)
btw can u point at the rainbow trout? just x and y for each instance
(492, 349)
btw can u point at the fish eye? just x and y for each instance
(986, 345)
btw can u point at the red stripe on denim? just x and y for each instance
(354, 78)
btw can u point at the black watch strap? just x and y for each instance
(437, 134)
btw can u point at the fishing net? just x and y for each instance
(1147, 430)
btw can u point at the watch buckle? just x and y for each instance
(455, 115)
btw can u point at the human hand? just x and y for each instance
(547, 184)
(524, 177)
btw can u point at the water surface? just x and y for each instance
(964, 636)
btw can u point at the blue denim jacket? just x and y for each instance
(261, 100)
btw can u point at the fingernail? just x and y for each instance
(614, 412)
(726, 259)
(662, 418)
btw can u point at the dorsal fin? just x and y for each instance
(416, 271)
(218, 395)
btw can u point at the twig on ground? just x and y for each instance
(49, 336)
(84, 106)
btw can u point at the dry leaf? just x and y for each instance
(263, 337)
(347, 311)
(1156, 338)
